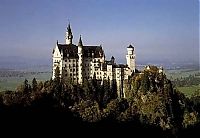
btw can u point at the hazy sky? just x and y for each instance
(159, 29)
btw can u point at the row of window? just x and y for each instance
(74, 60)
(56, 61)
(75, 76)
(86, 65)
(70, 60)
(73, 65)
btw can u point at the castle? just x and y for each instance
(80, 62)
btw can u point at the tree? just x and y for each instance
(57, 74)
(26, 86)
(34, 84)
(40, 85)
(145, 83)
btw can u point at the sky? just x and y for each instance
(160, 30)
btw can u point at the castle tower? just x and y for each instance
(130, 58)
(68, 35)
(112, 60)
(80, 61)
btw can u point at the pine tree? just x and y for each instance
(26, 86)
(34, 84)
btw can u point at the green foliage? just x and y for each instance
(87, 110)
(145, 82)
(190, 119)
(24, 88)
(151, 100)
(187, 81)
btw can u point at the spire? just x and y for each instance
(68, 35)
(69, 30)
(80, 43)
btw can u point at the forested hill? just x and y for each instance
(152, 105)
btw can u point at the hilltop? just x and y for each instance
(152, 103)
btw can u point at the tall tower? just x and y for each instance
(80, 61)
(130, 58)
(68, 35)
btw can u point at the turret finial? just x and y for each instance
(80, 43)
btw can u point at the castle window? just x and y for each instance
(73, 65)
(74, 60)
(71, 70)
(70, 74)
(69, 60)
(65, 60)
(69, 66)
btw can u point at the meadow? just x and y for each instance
(182, 73)
(10, 79)
(190, 90)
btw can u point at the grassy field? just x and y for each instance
(12, 81)
(182, 73)
(173, 74)
(188, 91)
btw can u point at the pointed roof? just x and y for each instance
(80, 43)
(69, 29)
(130, 46)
